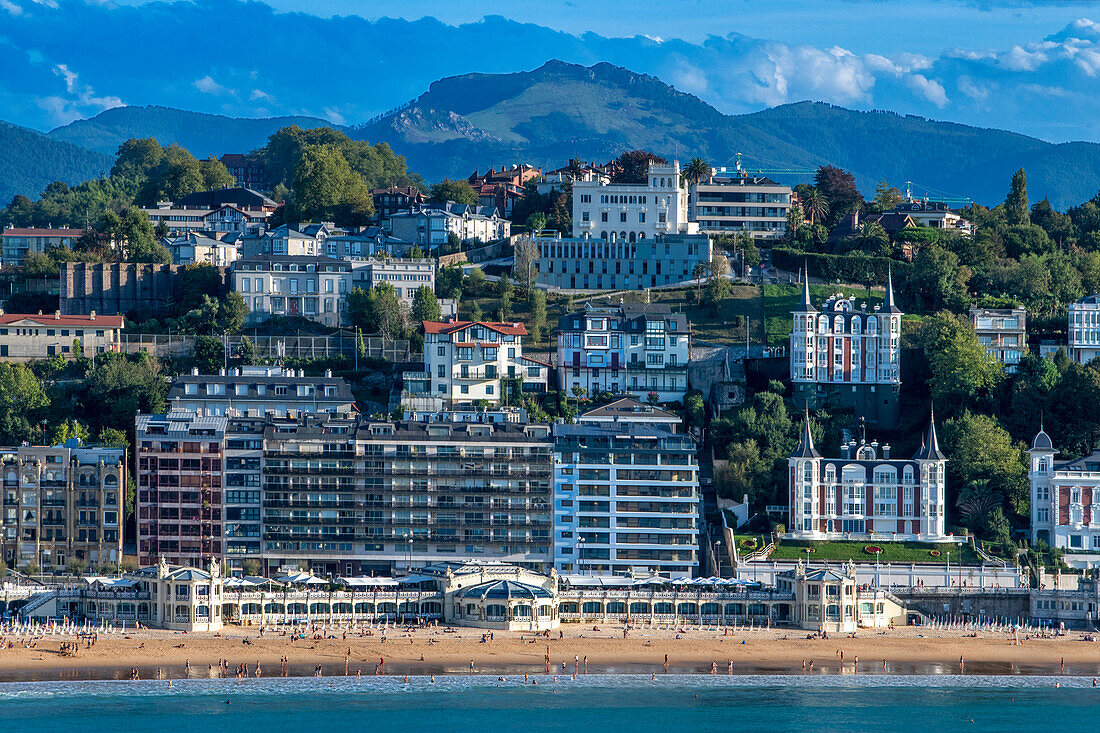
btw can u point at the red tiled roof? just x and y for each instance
(51, 320)
(528, 358)
(508, 329)
(36, 232)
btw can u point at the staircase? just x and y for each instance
(37, 601)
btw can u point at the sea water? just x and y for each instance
(589, 704)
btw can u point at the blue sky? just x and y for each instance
(1033, 67)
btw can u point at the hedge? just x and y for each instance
(854, 267)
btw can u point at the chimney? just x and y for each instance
(885, 451)
(92, 315)
(844, 451)
(328, 374)
(57, 315)
(194, 371)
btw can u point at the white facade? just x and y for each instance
(635, 349)
(24, 336)
(1084, 329)
(466, 361)
(192, 248)
(406, 276)
(866, 494)
(311, 287)
(626, 498)
(1065, 498)
(846, 344)
(632, 211)
(432, 226)
(226, 218)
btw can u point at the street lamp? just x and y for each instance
(580, 554)
(718, 558)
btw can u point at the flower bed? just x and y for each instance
(873, 550)
(934, 553)
(749, 544)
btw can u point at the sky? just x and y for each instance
(1031, 66)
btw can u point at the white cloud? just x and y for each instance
(333, 115)
(207, 85)
(1020, 59)
(82, 100)
(11, 7)
(930, 89)
(69, 76)
(977, 92)
(258, 94)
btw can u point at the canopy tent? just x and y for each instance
(417, 579)
(301, 579)
(105, 582)
(366, 582)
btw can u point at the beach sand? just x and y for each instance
(911, 650)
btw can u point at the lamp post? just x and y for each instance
(718, 558)
(580, 554)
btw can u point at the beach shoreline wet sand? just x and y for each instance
(156, 654)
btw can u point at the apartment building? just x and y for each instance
(1084, 329)
(17, 242)
(1065, 498)
(62, 503)
(935, 214)
(626, 499)
(406, 276)
(26, 337)
(584, 263)
(224, 218)
(242, 485)
(260, 391)
(632, 212)
(311, 287)
(847, 354)
(247, 171)
(866, 494)
(357, 496)
(180, 509)
(1003, 333)
(466, 361)
(638, 349)
(731, 202)
(432, 225)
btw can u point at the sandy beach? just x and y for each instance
(902, 651)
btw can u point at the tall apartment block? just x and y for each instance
(61, 503)
(626, 499)
(179, 487)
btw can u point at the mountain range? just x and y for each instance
(560, 111)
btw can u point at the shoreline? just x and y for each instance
(909, 651)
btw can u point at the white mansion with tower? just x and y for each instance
(866, 493)
(1065, 498)
(847, 354)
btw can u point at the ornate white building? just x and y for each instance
(848, 354)
(866, 493)
(1065, 498)
(632, 212)
(1084, 329)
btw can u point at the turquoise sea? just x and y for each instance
(596, 703)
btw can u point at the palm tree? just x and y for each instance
(816, 205)
(696, 170)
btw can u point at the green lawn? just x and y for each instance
(899, 552)
(727, 326)
(780, 300)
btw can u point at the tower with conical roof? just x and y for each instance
(932, 479)
(803, 369)
(804, 469)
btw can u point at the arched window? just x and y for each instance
(633, 237)
(907, 475)
(872, 324)
(838, 324)
(641, 236)
(603, 236)
(856, 325)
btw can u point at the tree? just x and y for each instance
(719, 265)
(1016, 204)
(425, 306)
(197, 280)
(448, 282)
(717, 290)
(326, 188)
(69, 429)
(22, 402)
(886, 198)
(839, 189)
(388, 316)
(251, 567)
(633, 166)
(120, 387)
(816, 204)
(135, 236)
(232, 312)
(963, 372)
(695, 171)
(111, 437)
(209, 354)
(459, 192)
(982, 450)
(214, 174)
(937, 280)
(474, 284)
(795, 219)
(475, 312)
(538, 314)
(525, 265)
